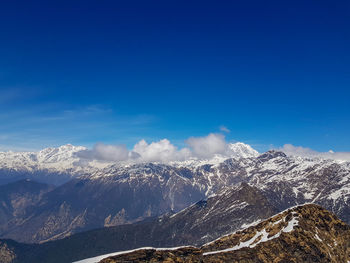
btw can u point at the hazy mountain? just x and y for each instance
(17, 200)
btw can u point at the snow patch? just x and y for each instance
(99, 258)
(261, 236)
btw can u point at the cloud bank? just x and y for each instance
(290, 149)
(160, 151)
(103, 152)
(208, 146)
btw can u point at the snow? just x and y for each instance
(260, 236)
(291, 224)
(318, 238)
(251, 224)
(339, 193)
(99, 258)
(236, 206)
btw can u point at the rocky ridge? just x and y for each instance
(305, 233)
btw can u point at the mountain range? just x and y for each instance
(53, 198)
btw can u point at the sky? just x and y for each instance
(267, 73)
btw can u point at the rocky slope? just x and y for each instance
(17, 200)
(233, 209)
(305, 233)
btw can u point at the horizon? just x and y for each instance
(197, 148)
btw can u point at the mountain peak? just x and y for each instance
(240, 149)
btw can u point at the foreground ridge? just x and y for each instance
(306, 233)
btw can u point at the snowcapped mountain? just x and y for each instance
(57, 159)
(65, 160)
(120, 193)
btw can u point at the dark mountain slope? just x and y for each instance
(17, 200)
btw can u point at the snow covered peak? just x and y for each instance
(241, 150)
(234, 150)
(62, 153)
(58, 159)
(66, 159)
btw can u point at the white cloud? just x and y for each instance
(208, 146)
(105, 152)
(224, 129)
(162, 151)
(290, 149)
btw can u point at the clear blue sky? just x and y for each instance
(273, 72)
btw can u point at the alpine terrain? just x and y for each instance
(305, 233)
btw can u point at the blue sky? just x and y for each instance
(81, 72)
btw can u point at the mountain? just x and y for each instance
(96, 197)
(59, 159)
(59, 165)
(134, 194)
(305, 233)
(204, 221)
(50, 165)
(17, 199)
(116, 194)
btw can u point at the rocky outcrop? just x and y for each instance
(6, 254)
(305, 233)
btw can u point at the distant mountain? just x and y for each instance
(58, 159)
(233, 209)
(305, 233)
(50, 165)
(17, 200)
(59, 165)
(117, 195)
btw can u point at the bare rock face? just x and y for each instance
(6, 254)
(17, 200)
(305, 233)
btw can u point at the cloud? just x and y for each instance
(103, 152)
(159, 151)
(162, 151)
(224, 129)
(290, 149)
(208, 146)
